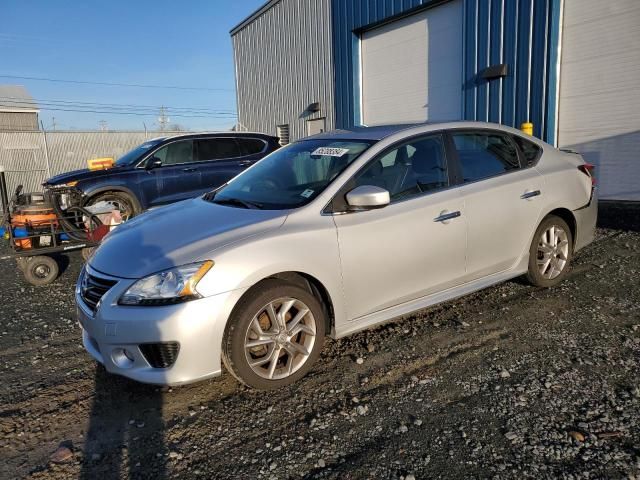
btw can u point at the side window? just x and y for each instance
(251, 146)
(530, 151)
(217, 149)
(411, 169)
(389, 159)
(485, 154)
(176, 153)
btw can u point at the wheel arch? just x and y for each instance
(115, 189)
(568, 216)
(310, 283)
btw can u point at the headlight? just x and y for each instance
(165, 288)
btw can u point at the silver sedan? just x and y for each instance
(328, 236)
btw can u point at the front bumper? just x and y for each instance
(197, 326)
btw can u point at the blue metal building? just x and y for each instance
(570, 67)
(521, 34)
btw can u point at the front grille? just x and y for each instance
(93, 288)
(160, 355)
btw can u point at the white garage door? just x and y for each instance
(412, 68)
(599, 111)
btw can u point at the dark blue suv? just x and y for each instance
(164, 170)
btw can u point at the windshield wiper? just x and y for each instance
(237, 202)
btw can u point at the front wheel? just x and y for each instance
(274, 336)
(123, 202)
(550, 253)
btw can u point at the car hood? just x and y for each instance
(179, 234)
(79, 175)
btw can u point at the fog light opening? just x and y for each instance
(122, 357)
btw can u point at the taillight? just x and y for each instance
(588, 170)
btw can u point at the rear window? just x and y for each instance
(251, 146)
(530, 151)
(485, 154)
(217, 149)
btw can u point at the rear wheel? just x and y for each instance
(274, 336)
(551, 252)
(123, 202)
(41, 270)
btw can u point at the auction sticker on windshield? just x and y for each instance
(330, 152)
(307, 193)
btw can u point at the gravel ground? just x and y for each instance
(510, 382)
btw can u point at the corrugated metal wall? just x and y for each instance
(521, 33)
(31, 157)
(283, 64)
(10, 121)
(600, 94)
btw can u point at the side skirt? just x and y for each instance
(390, 313)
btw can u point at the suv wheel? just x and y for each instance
(274, 336)
(125, 203)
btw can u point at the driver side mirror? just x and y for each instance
(153, 162)
(367, 197)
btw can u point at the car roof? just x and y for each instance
(216, 134)
(379, 132)
(364, 133)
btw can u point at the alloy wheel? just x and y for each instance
(280, 338)
(553, 252)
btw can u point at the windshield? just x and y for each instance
(291, 176)
(134, 155)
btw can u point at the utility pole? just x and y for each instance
(163, 120)
(53, 123)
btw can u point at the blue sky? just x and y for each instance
(150, 42)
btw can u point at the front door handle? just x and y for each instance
(245, 163)
(445, 216)
(530, 194)
(189, 170)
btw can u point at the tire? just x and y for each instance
(129, 206)
(294, 355)
(550, 253)
(41, 270)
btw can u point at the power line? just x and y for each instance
(121, 111)
(113, 84)
(120, 106)
(139, 114)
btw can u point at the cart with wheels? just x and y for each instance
(38, 233)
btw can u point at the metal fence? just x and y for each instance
(29, 158)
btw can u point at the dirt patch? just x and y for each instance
(512, 381)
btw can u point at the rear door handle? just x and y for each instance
(245, 163)
(189, 170)
(530, 194)
(446, 216)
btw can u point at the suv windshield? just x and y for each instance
(292, 176)
(135, 154)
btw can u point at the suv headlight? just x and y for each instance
(166, 288)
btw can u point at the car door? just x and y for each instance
(501, 200)
(176, 177)
(220, 160)
(414, 246)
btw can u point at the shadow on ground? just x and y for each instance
(126, 430)
(619, 215)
